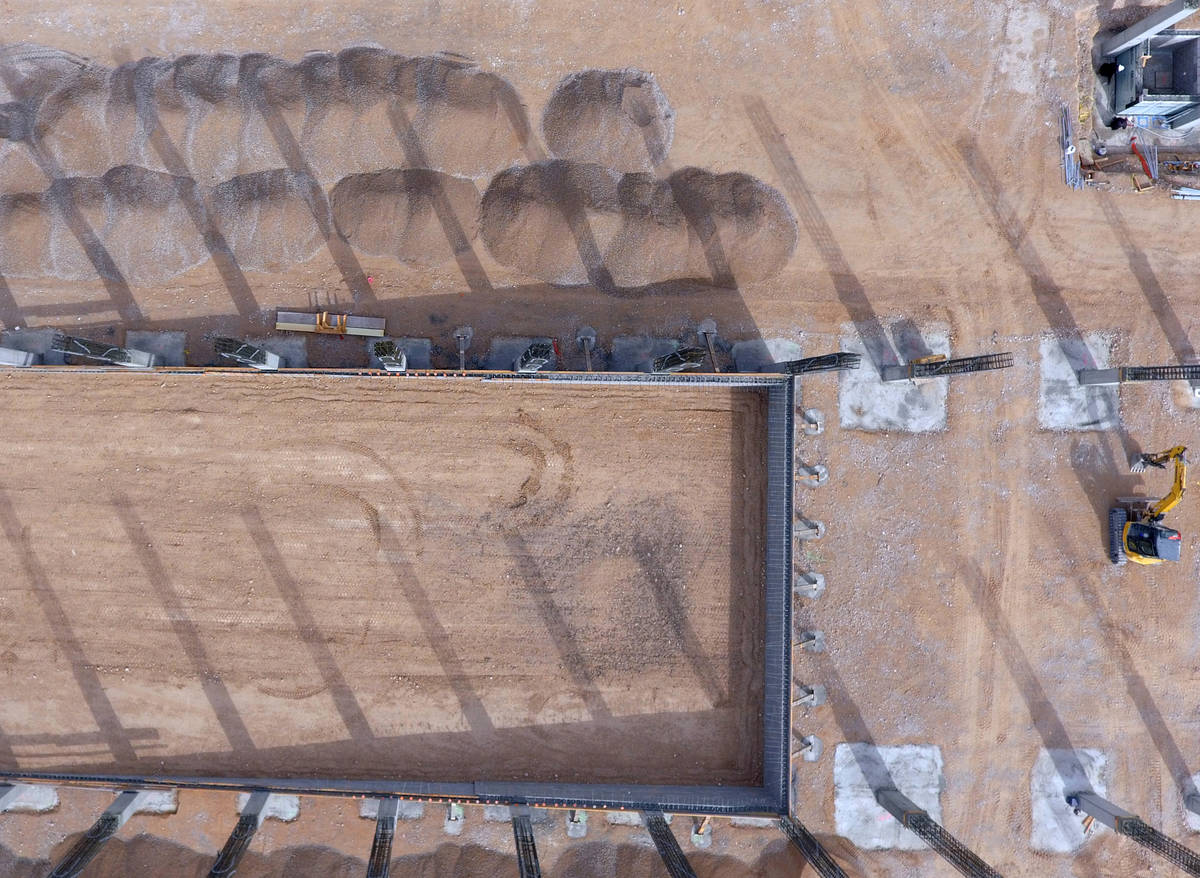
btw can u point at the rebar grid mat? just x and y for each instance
(836, 362)
(949, 847)
(962, 365)
(235, 847)
(84, 850)
(810, 848)
(1167, 848)
(668, 848)
(1160, 373)
(527, 858)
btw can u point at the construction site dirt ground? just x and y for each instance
(436, 580)
(970, 604)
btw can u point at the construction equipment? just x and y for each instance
(329, 324)
(1134, 531)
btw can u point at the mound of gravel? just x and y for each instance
(618, 118)
(270, 219)
(131, 223)
(567, 223)
(216, 116)
(547, 219)
(412, 214)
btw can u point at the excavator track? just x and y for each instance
(1117, 517)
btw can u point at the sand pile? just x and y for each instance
(618, 118)
(271, 219)
(412, 215)
(561, 221)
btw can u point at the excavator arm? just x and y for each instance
(1169, 502)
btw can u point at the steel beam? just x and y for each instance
(527, 858)
(86, 848)
(810, 848)
(381, 847)
(668, 848)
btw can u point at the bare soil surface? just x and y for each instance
(420, 579)
(970, 604)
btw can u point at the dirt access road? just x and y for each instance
(915, 143)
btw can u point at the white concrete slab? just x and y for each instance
(405, 810)
(1056, 828)
(629, 818)
(865, 402)
(279, 807)
(860, 769)
(1193, 820)
(751, 356)
(156, 802)
(35, 341)
(1062, 403)
(33, 798)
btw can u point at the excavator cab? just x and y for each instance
(1134, 531)
(1152, 542)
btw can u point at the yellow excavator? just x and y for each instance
(1134, 531)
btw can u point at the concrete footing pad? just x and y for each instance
(503, 814)
(405, 810)
(35, 341)
(752, 356)
(632, 353)
(30, 798)
(292, 348)
(754, 822)
(866, 402)
(278, 807)
(577, 828)
(455, 820)
(157, 802)
(504, 350)
(630, 818)
(1063, 404)
(417, 351)
(1056, 828)
(167, 347)
(861, 769)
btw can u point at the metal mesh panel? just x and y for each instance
(668, 848)
(1167, 848)
(235, 847)
(1160, 373)
(950, 848)
(811, 849)
(93, 350)
(527, 858)
(239, 351)
(962, 365)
